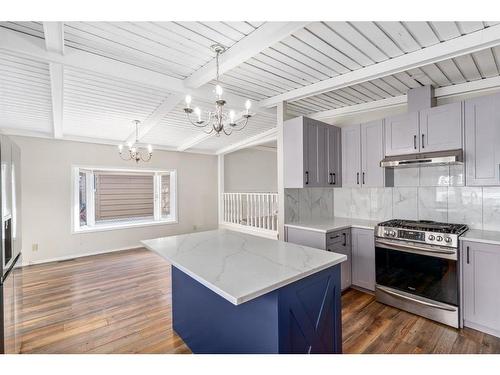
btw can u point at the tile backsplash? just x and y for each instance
(426, 193)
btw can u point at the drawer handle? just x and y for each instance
(337, 236)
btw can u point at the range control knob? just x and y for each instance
(439, 238)
(431, 237)
(447, 239)
(386, 232)
(393, 233)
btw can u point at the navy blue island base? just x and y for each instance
(301, 317)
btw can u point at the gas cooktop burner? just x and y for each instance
(426, 225)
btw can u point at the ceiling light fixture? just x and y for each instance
(135, 152)
(218, 120)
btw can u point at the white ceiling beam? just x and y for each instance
(257, 41)
(267, 136)
(193, 141)
(479, 86)
(54, 42)
(466, 44)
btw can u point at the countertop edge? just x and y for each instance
(332, 229)
(242, 299)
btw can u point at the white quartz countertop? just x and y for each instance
(484, 236)
(329, 225)
(240, 267)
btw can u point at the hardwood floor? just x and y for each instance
(121, 303)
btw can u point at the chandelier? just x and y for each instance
(135, 152)
(219, 120)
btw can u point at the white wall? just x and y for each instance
(250, 170)
(46, 197)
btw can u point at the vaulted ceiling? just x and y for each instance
(88, 80)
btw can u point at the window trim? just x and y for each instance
(75, 208)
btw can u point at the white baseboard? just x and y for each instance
(74, 256)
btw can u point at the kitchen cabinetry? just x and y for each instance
(482, 141)
(362, 151)
(340, 242)
(481, 286)
(311, 153)
(433, 129)
(441, 128)
(337, 241)
(363, 258)
(401, 134)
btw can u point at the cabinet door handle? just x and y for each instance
(334, 179)
(468, 258)
(307, 178)
(363, 178)
(330, 178)
(423, 143)
(357, 178)
(415, 142)
(345, 239)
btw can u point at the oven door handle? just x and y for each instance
(425, 303)
(414, 248)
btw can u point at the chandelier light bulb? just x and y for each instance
(120, 148)
(134, 150)
(150, 149)
(218, 91)
(197, 111)
(129, 144)
(231, 116)
(248, 104)
(188, 100)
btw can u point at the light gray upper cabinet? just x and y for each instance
(351, 156)
(363, 258)
(309, 160)
(401, 134)
(334, 156)
(362, 151)
(441, 128)
(372, 152)
(481, 286)
(482, 141)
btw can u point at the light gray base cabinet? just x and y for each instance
(363, 258)
(336, 241)
(481, 286)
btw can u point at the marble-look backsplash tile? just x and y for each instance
(405, 203)
(478, 207)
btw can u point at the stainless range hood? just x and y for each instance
(423, 159)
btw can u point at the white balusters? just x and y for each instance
(256, 210)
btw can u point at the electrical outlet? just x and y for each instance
(34, 247)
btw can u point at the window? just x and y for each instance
(116, 198)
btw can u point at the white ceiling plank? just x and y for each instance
(434, 73)
(396, 83)
(468, 67)
(446, 30)
(422, 32)
(54, 42)
(466, 44)
(400, 35)
(485, 62)
(373, 33)
(265, 36)
(358, 40)
(470, 26)
(449, 68)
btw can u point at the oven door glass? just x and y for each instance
(425, 276)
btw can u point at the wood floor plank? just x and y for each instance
(121, 303)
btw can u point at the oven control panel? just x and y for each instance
(432, 238)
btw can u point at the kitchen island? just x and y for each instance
(238, 293)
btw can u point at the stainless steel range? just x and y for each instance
(417, 267)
